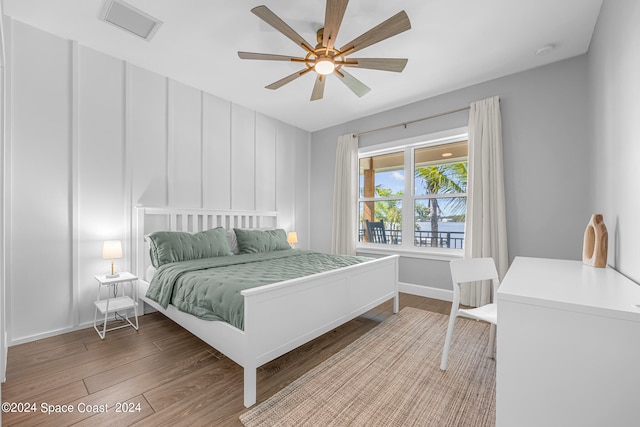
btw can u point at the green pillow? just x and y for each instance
(175, 246)
(254, 241)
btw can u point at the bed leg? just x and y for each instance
(249, 386)
(396, 304)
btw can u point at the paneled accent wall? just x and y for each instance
(91, 137)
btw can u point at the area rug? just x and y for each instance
(391, 377)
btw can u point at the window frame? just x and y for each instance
(409, 198)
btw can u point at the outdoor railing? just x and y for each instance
(421, 238)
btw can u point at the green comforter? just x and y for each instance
(210, 288)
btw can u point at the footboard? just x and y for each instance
(285, 315)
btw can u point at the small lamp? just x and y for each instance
(112, 249)
(292, 238)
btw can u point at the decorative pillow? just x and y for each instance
(175, 246)
(253, 241)
(233, 242)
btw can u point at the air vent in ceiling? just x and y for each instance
(129, 18)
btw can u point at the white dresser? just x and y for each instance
(568, 346)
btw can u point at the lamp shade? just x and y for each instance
(292, 237)
(112, 249)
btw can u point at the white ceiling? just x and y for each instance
(452, 44)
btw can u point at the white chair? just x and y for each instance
(471, 270)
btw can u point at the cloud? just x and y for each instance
(398, 176)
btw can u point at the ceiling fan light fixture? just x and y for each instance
(325, 65)
(325, 58)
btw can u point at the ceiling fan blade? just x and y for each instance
(288, 79)
(395, 25)
(384, 64)
(264, 13)
(332, 20)
(269, 57)
(318, 88)
(352, 83)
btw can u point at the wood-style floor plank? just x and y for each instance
(176, 378)
(60, 395)
(38, 356)
(132, 413)
(25, 388)
(122, 347)
(192, 385)
(153, 363)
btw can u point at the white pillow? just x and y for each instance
(233, 242)
(151, 271)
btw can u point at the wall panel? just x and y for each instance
(100, 166)
(41, 297)
(285, 175)
(265, 163)
(301, 219)
(185, 143)
(242, 158)
(216, 152)
(3, 217)
(148, 133)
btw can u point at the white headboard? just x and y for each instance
(148, 220)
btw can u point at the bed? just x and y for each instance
(278, 317)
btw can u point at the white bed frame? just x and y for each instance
(277, 317)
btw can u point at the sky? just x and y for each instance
(391, 179)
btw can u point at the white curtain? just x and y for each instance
(345, 195)
(486, 225)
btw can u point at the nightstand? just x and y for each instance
(117, 300)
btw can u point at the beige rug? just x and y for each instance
(391, 377)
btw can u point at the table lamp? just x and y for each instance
(112, 249)
(292, 238)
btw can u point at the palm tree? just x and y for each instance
(388, 211)
(444, 179)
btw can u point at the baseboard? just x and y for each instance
(47, 334)
(60, 331)
(426, 291)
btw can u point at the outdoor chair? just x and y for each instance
(375, 231)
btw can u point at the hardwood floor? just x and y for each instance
(162, 374)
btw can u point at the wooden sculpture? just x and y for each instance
(596, 241)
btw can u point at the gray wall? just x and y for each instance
(614, 87)
(546, 156)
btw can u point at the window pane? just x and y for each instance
(382, 176)
(441, 169)
(439, 222)
(390, 213)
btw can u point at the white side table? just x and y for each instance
(117, 300)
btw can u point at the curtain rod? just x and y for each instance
(409, 122)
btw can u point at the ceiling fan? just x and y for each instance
(325, 58)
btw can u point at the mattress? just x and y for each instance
(210, 288)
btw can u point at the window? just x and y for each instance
(432, 203)
(381, 192)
